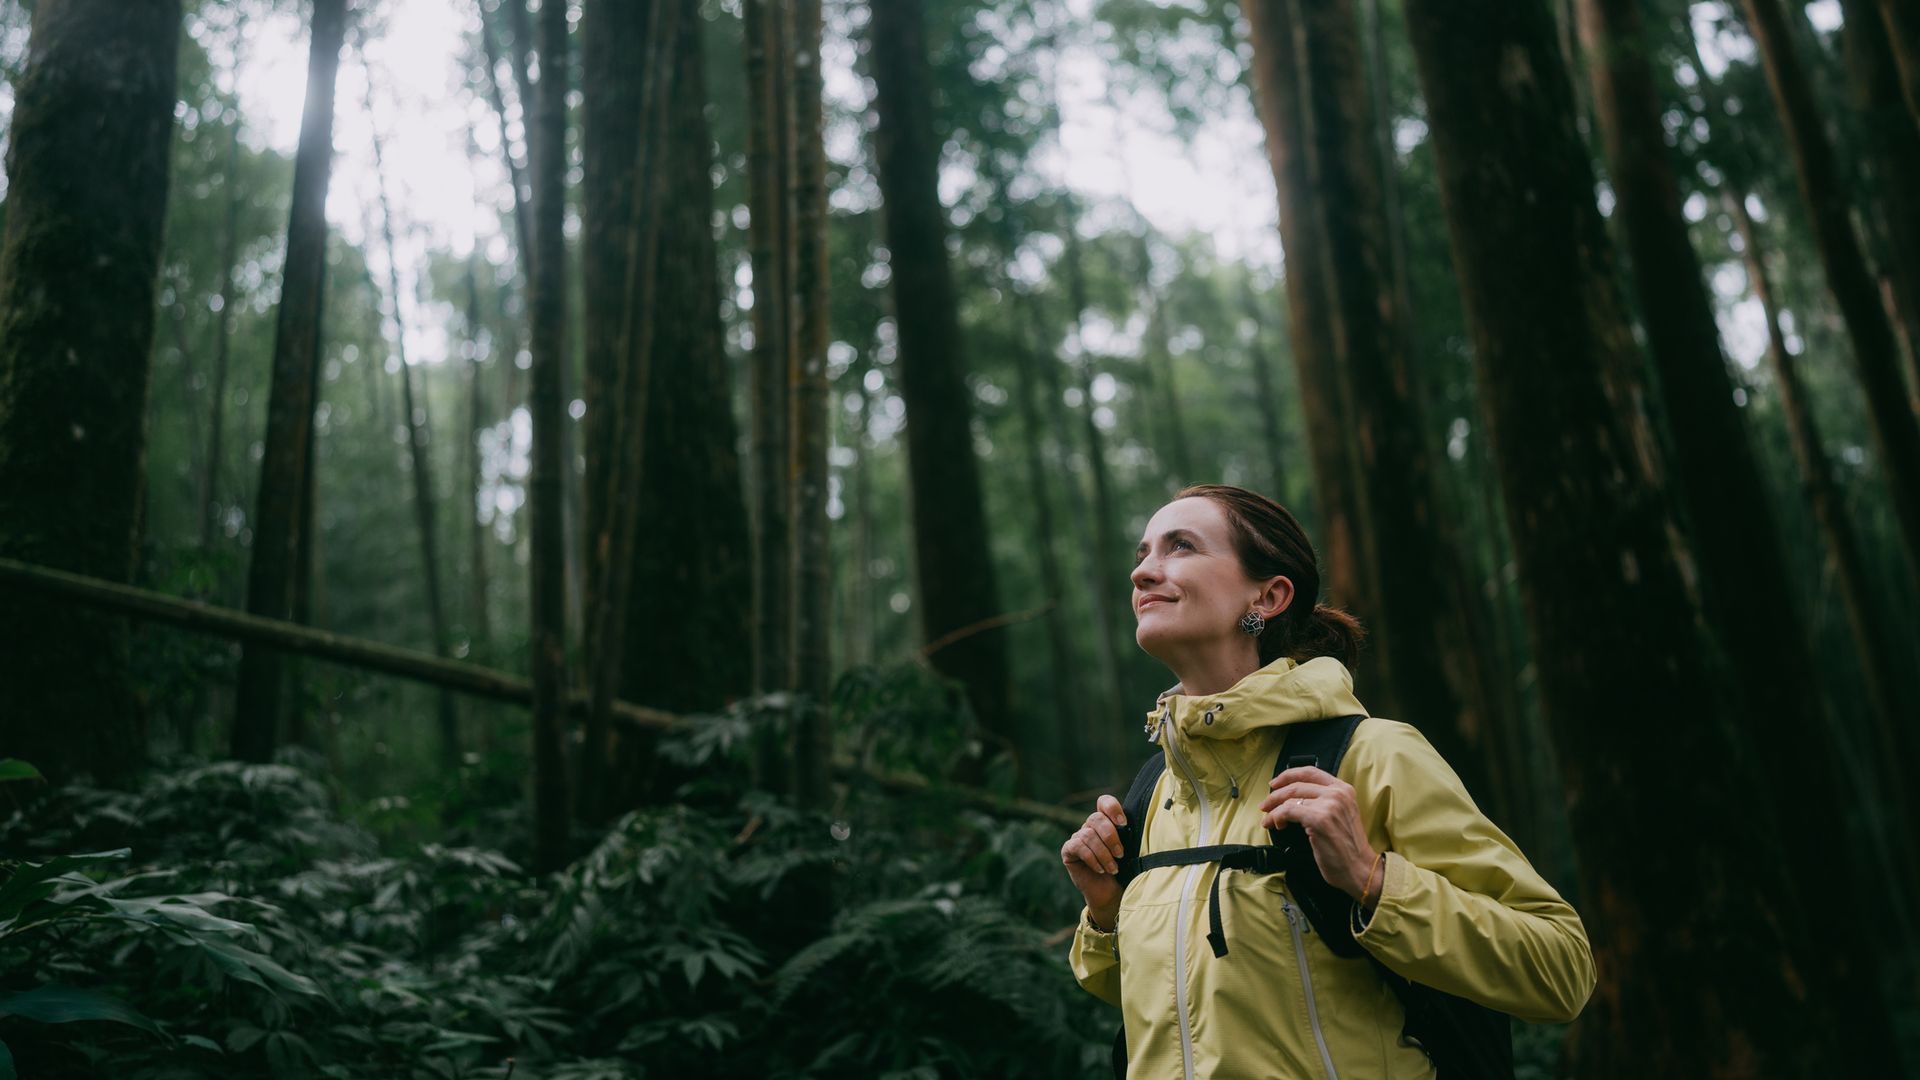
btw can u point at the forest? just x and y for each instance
(571, 539)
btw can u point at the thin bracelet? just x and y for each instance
(1368, 887)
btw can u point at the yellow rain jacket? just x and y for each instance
(1462, 910)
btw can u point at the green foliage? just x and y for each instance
(224, 920)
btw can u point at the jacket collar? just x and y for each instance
(1211, 732)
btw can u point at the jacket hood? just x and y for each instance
(1279, 694)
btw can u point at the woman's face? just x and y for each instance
(1189, 587)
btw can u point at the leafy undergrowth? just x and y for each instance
(226, 920)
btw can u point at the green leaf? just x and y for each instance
(56, 1004)
(34, 881)
(253, 967)
(15, 769)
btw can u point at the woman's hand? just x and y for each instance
(1325, 806)
(1092, 857)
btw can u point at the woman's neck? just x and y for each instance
(1210, 673)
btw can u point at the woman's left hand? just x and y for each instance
(1325, 806)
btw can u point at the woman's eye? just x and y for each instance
(1181, 543)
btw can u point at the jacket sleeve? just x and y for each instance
(1096, 961)
(1461, 910)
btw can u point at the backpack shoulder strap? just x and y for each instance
(1323, 744)
(1135, 805)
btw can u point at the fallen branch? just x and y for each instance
(424, 667)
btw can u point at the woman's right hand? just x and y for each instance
(1092, 857)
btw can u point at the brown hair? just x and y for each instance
(1271, 543)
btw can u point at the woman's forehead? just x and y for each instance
(1196, 514)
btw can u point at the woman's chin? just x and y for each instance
(1153, 640)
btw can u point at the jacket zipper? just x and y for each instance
(1306, 983)
(1186, 894)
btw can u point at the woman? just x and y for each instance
(1223, 596)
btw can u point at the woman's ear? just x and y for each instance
(1274, 598)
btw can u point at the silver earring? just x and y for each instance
(1252, 623)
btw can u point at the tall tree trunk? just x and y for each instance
(1893, 150)
(481, 626)
(1902, 21)
(210, 486)
(87, 161)
(1426, 641)
(290, 402)
(1896, 754)
(769, 239)
(1279, 95)
(687, 470)
(811, 572)
(1621, 664)
(954, 563)
(1896, 428)
(547, 599)
(424, 509)
(521, 50)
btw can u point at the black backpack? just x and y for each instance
(1464, 1040)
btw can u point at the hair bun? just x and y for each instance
(1329, 631)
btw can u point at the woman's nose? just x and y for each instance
(1144, 574)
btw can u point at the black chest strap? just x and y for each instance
(1256, 858)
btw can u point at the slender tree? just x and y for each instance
(1892, 145)
(210, 483)
(811, 571)
(1070, 715)
(87, 177)
(1902, 21)
(770, 242)
(1266, 393)
(290, 402)
(490, 50)
(1729, 521)
(425, 509)
(480, 624)
(1896, 428)
(954, 564)
(1177, 453)
(547, 599)
(1896, 743)
(1621, 665)
(1099, 527)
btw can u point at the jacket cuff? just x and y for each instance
(1386, 912)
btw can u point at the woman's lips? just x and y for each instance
(1153, 600)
